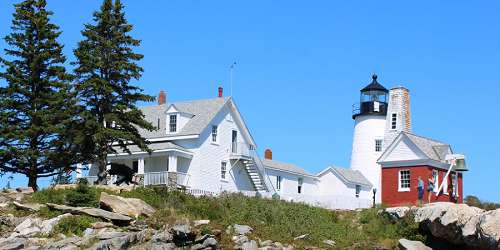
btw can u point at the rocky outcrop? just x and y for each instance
(33, 207)
(33, 226)
(94, 212)
(126, 206)
(459, 224)
(405, 244)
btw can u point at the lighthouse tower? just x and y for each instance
(369, 127)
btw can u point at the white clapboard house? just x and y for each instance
(205, 147)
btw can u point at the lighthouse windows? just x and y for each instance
(394, 121)
(404, 181)
(378, 145)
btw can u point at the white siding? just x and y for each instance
(289, 182)
(207, 156)
(403, 150)
(367, 129)
(330, 184)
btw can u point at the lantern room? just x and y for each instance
(373, 100)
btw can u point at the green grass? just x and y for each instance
(73, 225)
(272, 219)
(83, 197)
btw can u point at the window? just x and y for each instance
(278, 182)
(404, 180)
(223, 170)
(445, 185)
(454, 183)
(378, 145)
(173, 124)
(300, 181)
(358, 190)
(394, 121)
(158, 126)
(435, 174)
(214, 133)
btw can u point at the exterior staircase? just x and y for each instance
(250, 159)
(253, 172)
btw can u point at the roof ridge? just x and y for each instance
(424, 137)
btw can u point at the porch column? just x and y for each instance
(172, 163)
(140, 166)
(172, 171)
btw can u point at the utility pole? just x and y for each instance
(231, 68)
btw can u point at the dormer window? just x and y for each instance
(173, 124)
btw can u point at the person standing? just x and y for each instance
(420, 189)
(430, 189)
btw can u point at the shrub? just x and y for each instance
(476, 202)
(83, 196)
(73, 225)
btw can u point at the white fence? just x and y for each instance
(161, 178)
(333, 202)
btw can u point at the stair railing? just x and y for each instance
(262, 170)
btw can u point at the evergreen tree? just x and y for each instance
(105, 66)
(37, 108)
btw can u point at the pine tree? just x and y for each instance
(37, 108)
(105, 66)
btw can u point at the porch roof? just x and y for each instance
(155, 147)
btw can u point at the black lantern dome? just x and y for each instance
(373, 100)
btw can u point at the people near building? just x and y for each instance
(420, 190)
(430, 188)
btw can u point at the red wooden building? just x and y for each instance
(411, 156)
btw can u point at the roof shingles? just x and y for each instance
(203, 112)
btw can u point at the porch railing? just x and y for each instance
(241, 149)
(166, 178)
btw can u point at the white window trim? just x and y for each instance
(396, 128)
(445, 186)
(381, 145)
(454, 179)
(216, 142)
(401, 189)
(436, 180)
(176, 124)
(279, 180)
(225, 171)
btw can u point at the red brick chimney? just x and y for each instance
(162, 98)
(268, 154)
(220, 91)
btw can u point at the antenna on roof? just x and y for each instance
(231, 68)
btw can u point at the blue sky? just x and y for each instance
(301, 64)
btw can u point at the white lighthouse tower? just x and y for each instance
(369, 127)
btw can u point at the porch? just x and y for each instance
(156, 169)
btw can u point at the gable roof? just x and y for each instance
(430, 152)
(203, 112)
(287, 167)
(433, 149)
(348, 175)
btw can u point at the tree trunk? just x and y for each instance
(101, 176)
(32, 178)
